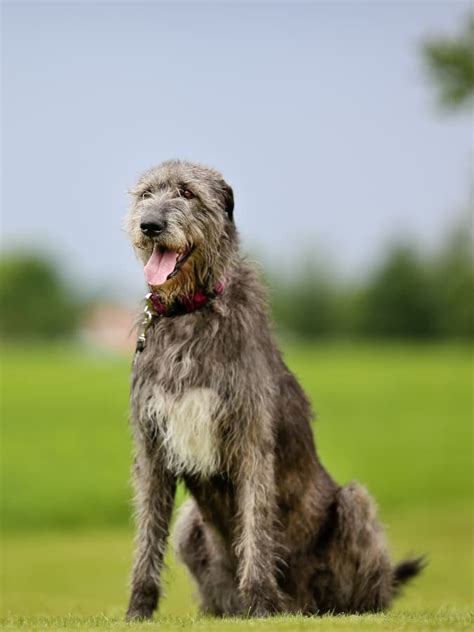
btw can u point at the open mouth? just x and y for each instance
(164, 264)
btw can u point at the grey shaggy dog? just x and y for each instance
(267, 529)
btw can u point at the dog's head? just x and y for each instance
(182, 228)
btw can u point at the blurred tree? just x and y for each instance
(305, 305)
(451, 64)
(406, 296)
(399, 298)
(453, 281)
(35, 301)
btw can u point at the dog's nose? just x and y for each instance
(152, 228)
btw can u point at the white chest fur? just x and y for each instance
(187, 424)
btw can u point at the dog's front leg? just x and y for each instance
(155, 491)
(256, 545)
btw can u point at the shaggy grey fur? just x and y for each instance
(267, 529)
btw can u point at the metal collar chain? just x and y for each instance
(148, 315)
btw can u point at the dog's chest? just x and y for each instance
(187, 423)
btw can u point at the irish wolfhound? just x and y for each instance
(267, 529)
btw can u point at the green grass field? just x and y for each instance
(398, 418)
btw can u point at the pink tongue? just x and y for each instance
(160, 265)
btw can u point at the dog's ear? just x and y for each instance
(228, 201)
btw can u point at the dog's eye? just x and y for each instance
(186, 193)
(146, 194)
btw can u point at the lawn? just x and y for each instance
(396, 417)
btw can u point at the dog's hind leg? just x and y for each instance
(199, 548)
(353, 572)
(359, 556)
(360, 551)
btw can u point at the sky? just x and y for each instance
(320, 116)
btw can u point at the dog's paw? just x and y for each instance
(263, 602)
(260, 611)
(142, 604)
(134, 614)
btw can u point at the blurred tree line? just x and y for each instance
(407, 295)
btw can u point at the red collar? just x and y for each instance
(155, 309)
(183, 305)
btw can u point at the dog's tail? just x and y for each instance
(406, 570)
